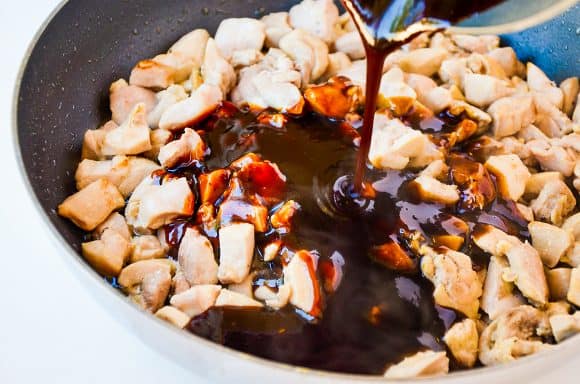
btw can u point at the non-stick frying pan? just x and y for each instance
(63, 91)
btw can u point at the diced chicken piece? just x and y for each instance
(275, 300)
(572, 258)
(554, 202)
(511, 114)
(572, 225)
(152, 74)
(507, 58)
(189, 147)
(558, 282)
(452, 71)
(190, 111)
(271, 250)
(498, 294)
(539, 82)
(337, 62)
(511, 174)
(524, 261)
(277, 26)
(318, 17)
(173, 316)
(478, 44)
(550, 241)
(424, 61)
(196, 300)
(227, 298)
(308, 51)
(108, 254)
(558, 308)
(574, 288)
(93, 141)
(526, 212)
(422, 85)
(421, 364)
(239, 34)
(483, 90)
(437, 99)
(456, 283)
(165, 99)
(432, 190)
(552, 157)
(179, 283)
(124, 97)
(130, 138)
(531, 132)
(300, 276)
(159, 137)
(246, 287)
(92, 205)
(181, 65)
(124, 172)
(551, 120)
(279, 92)
(351, 44)
(236, 252)
(569, 88)
(537, 181)
(191, 46)
(462, 340)
(282, 218)
(216, 70)
(145, 248)
(246, 57)
(147, 282)
(394, 93)
(485, 65)
(576, 113)
(212, 185)
(565, 326)
(117, 223)
(514, 334)
(394, 145)
(152, 206)
(196, 258)
(356, 72)
(458, 107)
(512, 145)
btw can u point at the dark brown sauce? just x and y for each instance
(377, 315)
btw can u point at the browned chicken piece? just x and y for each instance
(478, 44)
(124, 172)
(282, 218)
(147, 282)
(572, 258)
(558, 282)
(483, 90)
(165, 99)
(196, 300)
(187, 148)
(196, 258)
(236, 252)
(511, 114)
(558, 308)
(116, 222)
(550, 241)
(108, 254)
(512, 145)
(274, 299)
(237, 34)
(173, 316)
(432, 190)
(92, 205)
(192, 45)
(421, 364)
(572, 225)
(146, 247)
(233, 209)
(540, 83)
(152, 206)
(277, 25)
(212, 185)
(317, 17)
(456, 283)
(514, 334)
(458, 107)
(152, 74)
(462, 340)
(308, 51)
(506, 57)
(423, 61)
(93, 141)
(300, 276)
(524, 261)
(554, 202)
(498, 294)
(227, 298)
(570, 88)
(552, 157)
(565, 326)
(335, 98)
(537, 181)
(351, 44)
(394, 93)
(216, 70)
(159, 137)
(511, 175)
(574, 288)
(192, 110)
(124, 97)
(130, 138)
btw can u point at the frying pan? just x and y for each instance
(62, 91)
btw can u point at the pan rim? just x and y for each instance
(87, 274)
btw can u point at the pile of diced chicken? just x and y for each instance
(524, 297)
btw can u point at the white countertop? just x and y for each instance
(50, 327)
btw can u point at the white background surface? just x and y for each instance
(50, 327)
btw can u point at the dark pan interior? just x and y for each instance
(89, 44)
